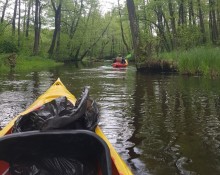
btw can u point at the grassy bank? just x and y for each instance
(197, 61)
(27, 63)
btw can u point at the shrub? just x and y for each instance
(8, 47)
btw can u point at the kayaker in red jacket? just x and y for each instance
(119, 59)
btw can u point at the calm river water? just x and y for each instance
(159, 124)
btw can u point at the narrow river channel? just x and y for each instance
(160, 124)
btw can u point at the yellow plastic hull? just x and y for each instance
(56, 90)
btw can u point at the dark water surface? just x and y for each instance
(159, 124)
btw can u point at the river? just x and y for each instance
(161, 124)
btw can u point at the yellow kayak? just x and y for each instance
(117, 165)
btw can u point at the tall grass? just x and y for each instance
(202, 60)
(25, 63)
(34, 63)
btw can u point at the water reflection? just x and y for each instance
(177, 125)
(159, 124)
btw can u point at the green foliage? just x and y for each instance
(7, 46)
(200, 60)
(88, 23)
(3, 67)
(26, 63)
(7, 41)
(86, 20)
(187, 37)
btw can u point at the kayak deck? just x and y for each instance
(57, 90)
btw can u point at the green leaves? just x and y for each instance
(7, 46)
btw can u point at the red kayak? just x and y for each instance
(119, 64)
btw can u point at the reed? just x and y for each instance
(31, 63)
(197, 61)
(34, 63)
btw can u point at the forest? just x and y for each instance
(182, 32)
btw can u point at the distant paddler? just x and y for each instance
(119, 59)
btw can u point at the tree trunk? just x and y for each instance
(182, 14)
(201, 22)
(57, 26)
(134, 31)
(73, 28)
(213, 22)
(172, 17)
(102, 48)
(112, 45)
(3, 11)
(147, 27)
(172, 23)
(24, 17)
(14, 17)
(122, 29)
(161, 28)
(28, 19)
(191, 13)
(218, 15)
(93, 44)
(36, 28)
(75, 22)
(19, 23)
(58, 33)
(168, 32)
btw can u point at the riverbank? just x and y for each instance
(204, 61)
(25, 63)
(198, 61)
